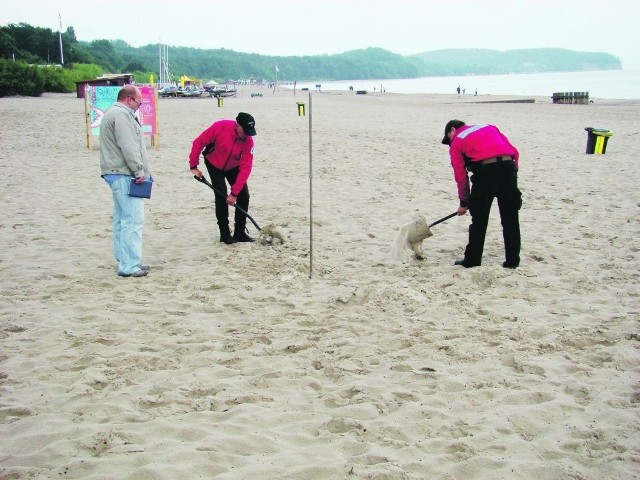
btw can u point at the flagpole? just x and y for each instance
(60, 38)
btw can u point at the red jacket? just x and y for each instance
(475, 143)
(229, 151)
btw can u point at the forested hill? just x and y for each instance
(37, 45)
(370, 63)
(490, 62)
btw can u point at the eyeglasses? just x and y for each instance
(139, 102)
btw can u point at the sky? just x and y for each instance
(303, 27)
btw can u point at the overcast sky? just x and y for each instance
(305, 27)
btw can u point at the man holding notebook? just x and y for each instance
(123, 157)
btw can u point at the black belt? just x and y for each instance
(501, 158)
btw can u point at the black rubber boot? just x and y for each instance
(225, 236)
(242, 237)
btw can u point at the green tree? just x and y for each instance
(19, 78)
(39, 42)
(134, 67)
(105, 55)
(8, 46)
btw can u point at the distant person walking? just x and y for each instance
(123, 156)
(493, 162)
(227, 148)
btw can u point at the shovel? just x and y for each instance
(443, 219)
(424, 230)
(206, 182)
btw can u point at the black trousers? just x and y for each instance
(218, 178)
(496, 180)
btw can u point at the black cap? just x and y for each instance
(450, 124)
(247, 123)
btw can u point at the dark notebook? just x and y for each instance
(142, 190)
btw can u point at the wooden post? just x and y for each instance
(155, 139)
(87, 112)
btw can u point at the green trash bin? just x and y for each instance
(597, 139)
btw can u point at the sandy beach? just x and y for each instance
(324, 357)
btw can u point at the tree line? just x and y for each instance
(25, 49)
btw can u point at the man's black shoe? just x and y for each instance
(509, 265)
(464, 264)
(242, 237)
(228, 239)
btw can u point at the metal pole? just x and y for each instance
(60, 38)
(61, 53)
(310, 190)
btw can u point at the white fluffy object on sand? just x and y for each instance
(272, 235)
(410, 237)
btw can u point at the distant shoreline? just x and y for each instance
(609, 84)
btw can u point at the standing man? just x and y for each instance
(123, 156)
(227, 148)
(487, 153)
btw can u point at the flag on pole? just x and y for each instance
(60, 20)
(277, 69)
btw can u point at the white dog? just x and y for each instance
(411, 236)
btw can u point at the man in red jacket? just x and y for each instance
(487, 153)
(227, 148)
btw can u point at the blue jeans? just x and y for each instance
(128, 220)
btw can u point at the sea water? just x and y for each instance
(607, 84)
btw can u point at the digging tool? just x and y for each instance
(218, 192)
(443, 219)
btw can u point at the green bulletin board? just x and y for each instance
(99, 99)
